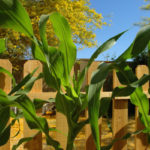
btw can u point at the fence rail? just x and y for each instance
(119, 109)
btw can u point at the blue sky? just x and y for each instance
(124, 13)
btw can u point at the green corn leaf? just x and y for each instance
(55, 58)
(23, 82)
(122, 91)
(14, 16)
(29, 111)
(105, 46)
(124, 73)
(28, 86)
(138, 98)
(4, 99)
(38, 103)
(2, 70)
(141, 40)
(21, 141)
(17, 133)
(37, 51)
(66, 45)
(4, 117)
(42, 30)
(2, 45)
(51, 80)
(128, 135)
(148, 63)
(4, 136)
(138, 45)
(141, 81)
(97, 81)
(33, 121)
(64, 104)
(56, 64)
(104, 106)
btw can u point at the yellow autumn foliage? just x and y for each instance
(82, 19)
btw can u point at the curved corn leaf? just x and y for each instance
(56, 64)
(97, 81)
(4, 136)
(14, 16)
(64, 104)
(104, 106)
(42, 30)
(141, 81)
(2, 45)
(105, 46)
(4, 98)
(2, 70)
(141, 40)
(21, 141)
(37, 52)
(138, 45)
(51, 80)
(4, 117)
(25, 80)
(122, 91)
(33, 121)
(124, 73)
(28, 86)
(38, 103)
(128, 135)
(66, 45)
(138, 98)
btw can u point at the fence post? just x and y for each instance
(120, 118)
(90, 145)
(141, 139)
(5, 84)
(35, 143)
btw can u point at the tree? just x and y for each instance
(81, 17)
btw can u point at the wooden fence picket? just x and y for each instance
(5, 84)
(35, 143)
(119, 118)
(88, 135)
(141, 139)
(61, 125)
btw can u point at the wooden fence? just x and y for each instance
(119, 109)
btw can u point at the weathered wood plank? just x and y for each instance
(120, 118)
(141, 139)
(5, 84)
(35, 143)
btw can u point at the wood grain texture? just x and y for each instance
(62, 126)
(141, 139)
(120, 118)
(35, 143)
(90, 145)
(5, 84)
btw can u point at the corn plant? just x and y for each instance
(58, 63)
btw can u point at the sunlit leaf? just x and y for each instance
(66, 45)
(105, 46)
(2, 45)
(14, 16)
